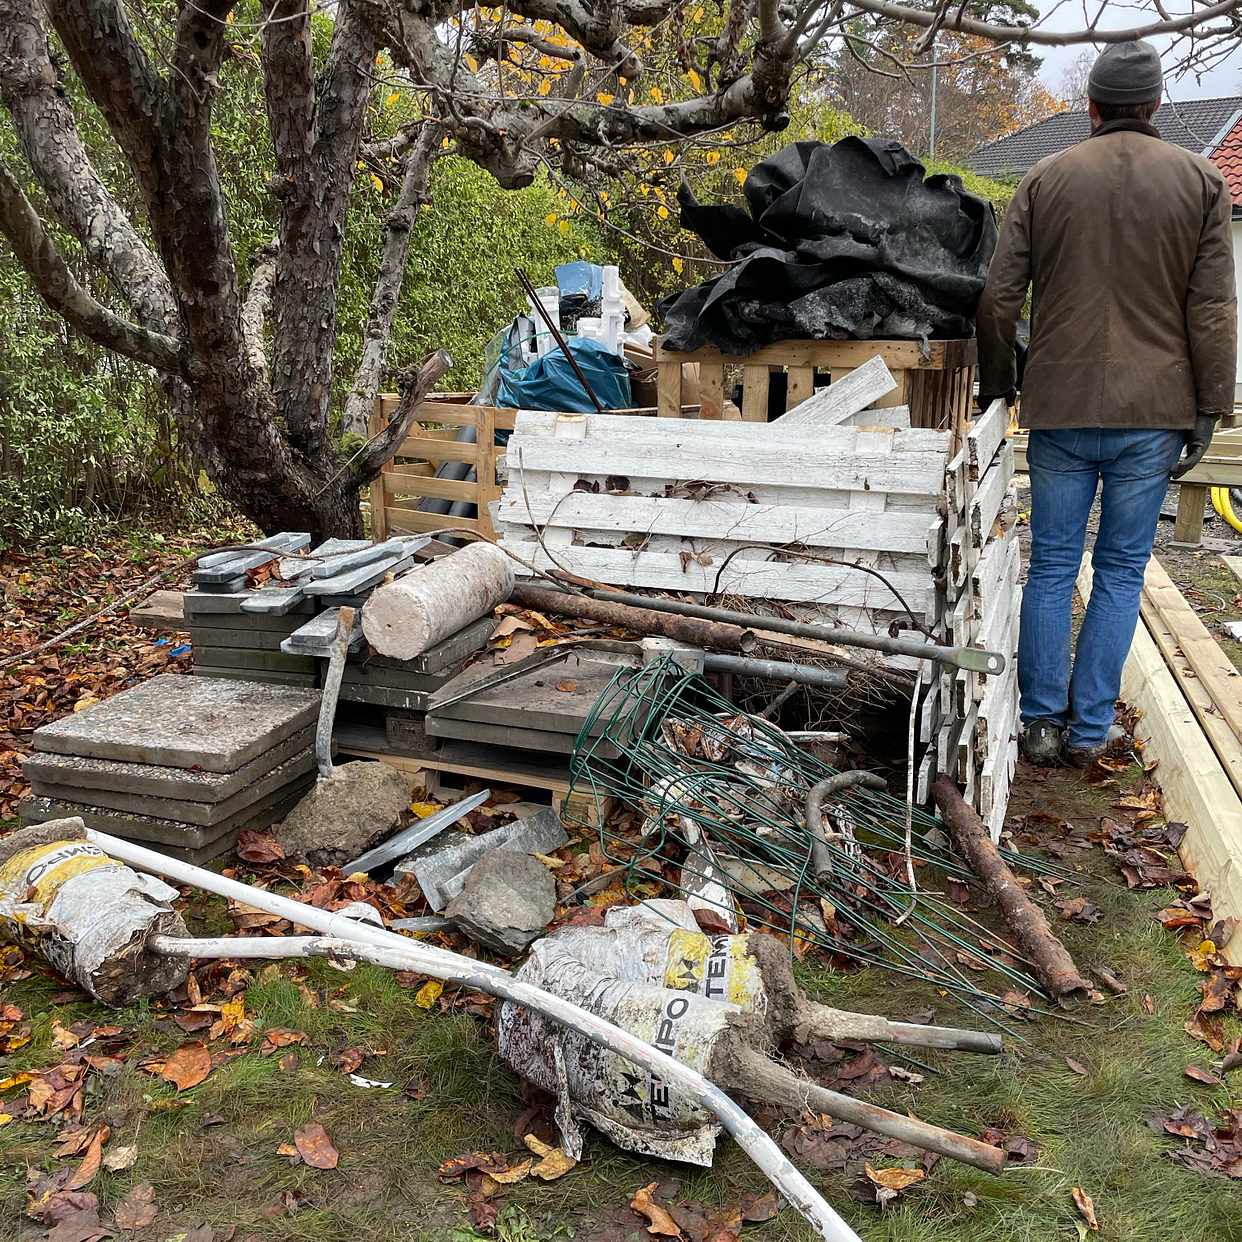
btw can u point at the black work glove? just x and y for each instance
(1197, 441)
(1009, 397)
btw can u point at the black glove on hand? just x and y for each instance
(1197, 442)
(1009, 398)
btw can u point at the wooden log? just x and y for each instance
(693, 630)
(1026, 920)
(406, 617)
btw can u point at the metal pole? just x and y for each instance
(959, 657)
(776, 670)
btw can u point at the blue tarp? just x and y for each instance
(549, 383)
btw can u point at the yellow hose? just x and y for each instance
(1223, 505)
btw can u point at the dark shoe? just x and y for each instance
(1041, 743)
(1085, 756)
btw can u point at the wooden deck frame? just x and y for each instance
(1197, 791)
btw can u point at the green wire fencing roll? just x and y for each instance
(664, 742)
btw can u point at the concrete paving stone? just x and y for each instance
(249, 658)
(145, 830)
(222, 567)
(204, 814)
(385, 696)
(249, 622)
(182, 722)
(243, 639)
(192, 785)
(307, 680)
(444, 657)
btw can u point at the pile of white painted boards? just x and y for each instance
(178, 763)
(845, 512)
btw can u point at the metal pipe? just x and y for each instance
(959, 657)
(821, 861)
(776, 670)
(342, 937)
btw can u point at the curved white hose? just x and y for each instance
(344, 937)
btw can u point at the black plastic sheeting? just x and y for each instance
(840, 241)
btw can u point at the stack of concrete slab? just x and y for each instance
(239, 630)
(180, 764)
(406, 685)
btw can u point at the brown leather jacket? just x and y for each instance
(1126, 240)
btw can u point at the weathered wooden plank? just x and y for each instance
(822, 584)
(800, 387)
(402, 521)
(897, 417)
(985, 437)
(438, 450)
(668, 387)
(161, 610)
(989, 497)
(716, 460)
(402, 483)
(690, 433)
(711, 390)
(756, 382)
(831, 406)
(726, 519)
(1213, 668)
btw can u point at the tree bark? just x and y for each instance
(1026, 920)
(388, 282)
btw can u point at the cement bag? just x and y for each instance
(659, 942)
(632, 1106)
(86, 915)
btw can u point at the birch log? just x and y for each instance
(404, 618)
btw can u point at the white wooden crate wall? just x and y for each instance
(664, 503)
(674, 503)
(969, 720)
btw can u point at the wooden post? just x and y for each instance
(485, 469)
(755, 381)
(711, 390)
(801, 386)
(1188, 529)
(668, 385)
(378, 489)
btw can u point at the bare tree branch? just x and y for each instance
(381, 450)
(387, 292)
(289, 87)
(38, 255)
(1023, 35)
(256, 306)
(311, 223)
(47, 132)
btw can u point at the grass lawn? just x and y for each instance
(210, 1152)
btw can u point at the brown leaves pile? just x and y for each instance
(1214, 1149)
(38, 591)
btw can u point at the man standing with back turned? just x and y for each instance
(1125, 240)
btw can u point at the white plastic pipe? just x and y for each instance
(345, 938)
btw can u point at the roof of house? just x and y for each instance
(1197, 124)
(1228, 158)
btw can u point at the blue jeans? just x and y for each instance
(1065, 468)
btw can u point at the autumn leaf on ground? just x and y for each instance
(1082, 1201)
(1077, 1066)
(1195, 1074)
(83, 1174)
(428, 994)
(280, 1037)
(186, 1068)
(137, 1210)
(659, 1222)
(1208, 1029)
(889, 1183)
(349, 1060)
(259, 847)
(119, 1159)
(315, 1147)
(554, 1162)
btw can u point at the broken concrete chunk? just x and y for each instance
(359, 804)
(508, 899)
(441, 866)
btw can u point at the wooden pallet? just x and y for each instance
(936, 381)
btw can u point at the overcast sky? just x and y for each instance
(1221, 79)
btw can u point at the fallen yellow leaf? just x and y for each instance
(428, 994)
(553, 1163)
(895, 1179)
